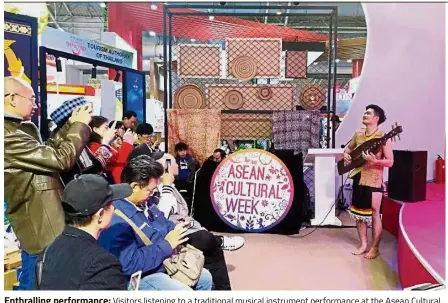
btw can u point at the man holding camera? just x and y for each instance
(32, 185)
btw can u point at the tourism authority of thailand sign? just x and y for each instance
(252, 190)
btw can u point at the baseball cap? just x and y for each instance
(87, 194)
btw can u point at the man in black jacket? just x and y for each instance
(74, 261)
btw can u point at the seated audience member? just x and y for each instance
(218, 155)
(187, 164)
(143, 174)
(114, 159)
(175, 208)
(87, 162)
(129, 120)
(75, 261)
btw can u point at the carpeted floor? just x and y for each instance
(319, 261)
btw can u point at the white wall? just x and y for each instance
(404, 73)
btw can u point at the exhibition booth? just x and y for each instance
(271, 96)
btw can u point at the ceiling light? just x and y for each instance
(337, 60)
(279, 12)
(211, 17)
(102, 4)
(349, 60)
(152, 34)
(153, 7)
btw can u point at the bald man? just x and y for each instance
(32, 185)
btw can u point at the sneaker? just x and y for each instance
(232, 243)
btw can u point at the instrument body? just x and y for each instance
(370, 146)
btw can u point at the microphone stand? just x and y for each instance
(342, 200)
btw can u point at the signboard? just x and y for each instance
(20, 49)
(76, 45)
(252, 190)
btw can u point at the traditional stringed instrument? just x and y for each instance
(370, 146)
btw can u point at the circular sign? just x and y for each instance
(252, 190)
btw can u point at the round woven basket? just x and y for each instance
(189, 96)
(244, 68)
(312, 97)
(234, 99)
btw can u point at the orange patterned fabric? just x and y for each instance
(199, 128)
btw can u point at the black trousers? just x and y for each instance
(215, 262)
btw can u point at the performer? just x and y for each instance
(368, 180)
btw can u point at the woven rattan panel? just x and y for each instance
(246, 126)
(282, 97)
(199, 60)
(266, 53)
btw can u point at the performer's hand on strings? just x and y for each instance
(347, 158)
(369, 157)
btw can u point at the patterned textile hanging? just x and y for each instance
(199, 128)
(296, 130)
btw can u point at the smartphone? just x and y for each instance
(167, 165)
(134, 283)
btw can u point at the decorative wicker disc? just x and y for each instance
(244, 68)
(189, 96)
(234, 99)
(312, 97)
(264, 93)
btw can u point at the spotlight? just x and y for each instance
(58, 65)
(193, 40)
(153, 7)
(337, 60)
(349, 61)
(152, 34)
(94, 72)
(279, 12)
(211, 17)
(117, 76)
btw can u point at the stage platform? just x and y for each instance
(420, 228)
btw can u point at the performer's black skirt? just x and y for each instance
(361, 209)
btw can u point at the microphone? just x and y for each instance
(344, 145)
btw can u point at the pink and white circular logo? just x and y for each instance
(252, 190)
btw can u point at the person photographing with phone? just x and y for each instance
(101, 144)
(32, 184)
(141, 237)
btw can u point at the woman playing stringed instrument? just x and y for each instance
(368, 180)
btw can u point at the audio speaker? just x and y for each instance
(407, 177)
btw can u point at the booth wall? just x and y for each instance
(404, 73)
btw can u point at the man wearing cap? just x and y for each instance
(32, 185)
(75, 261)
(121, 239)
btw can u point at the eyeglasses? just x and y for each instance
(147, 136)
(32, 99)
